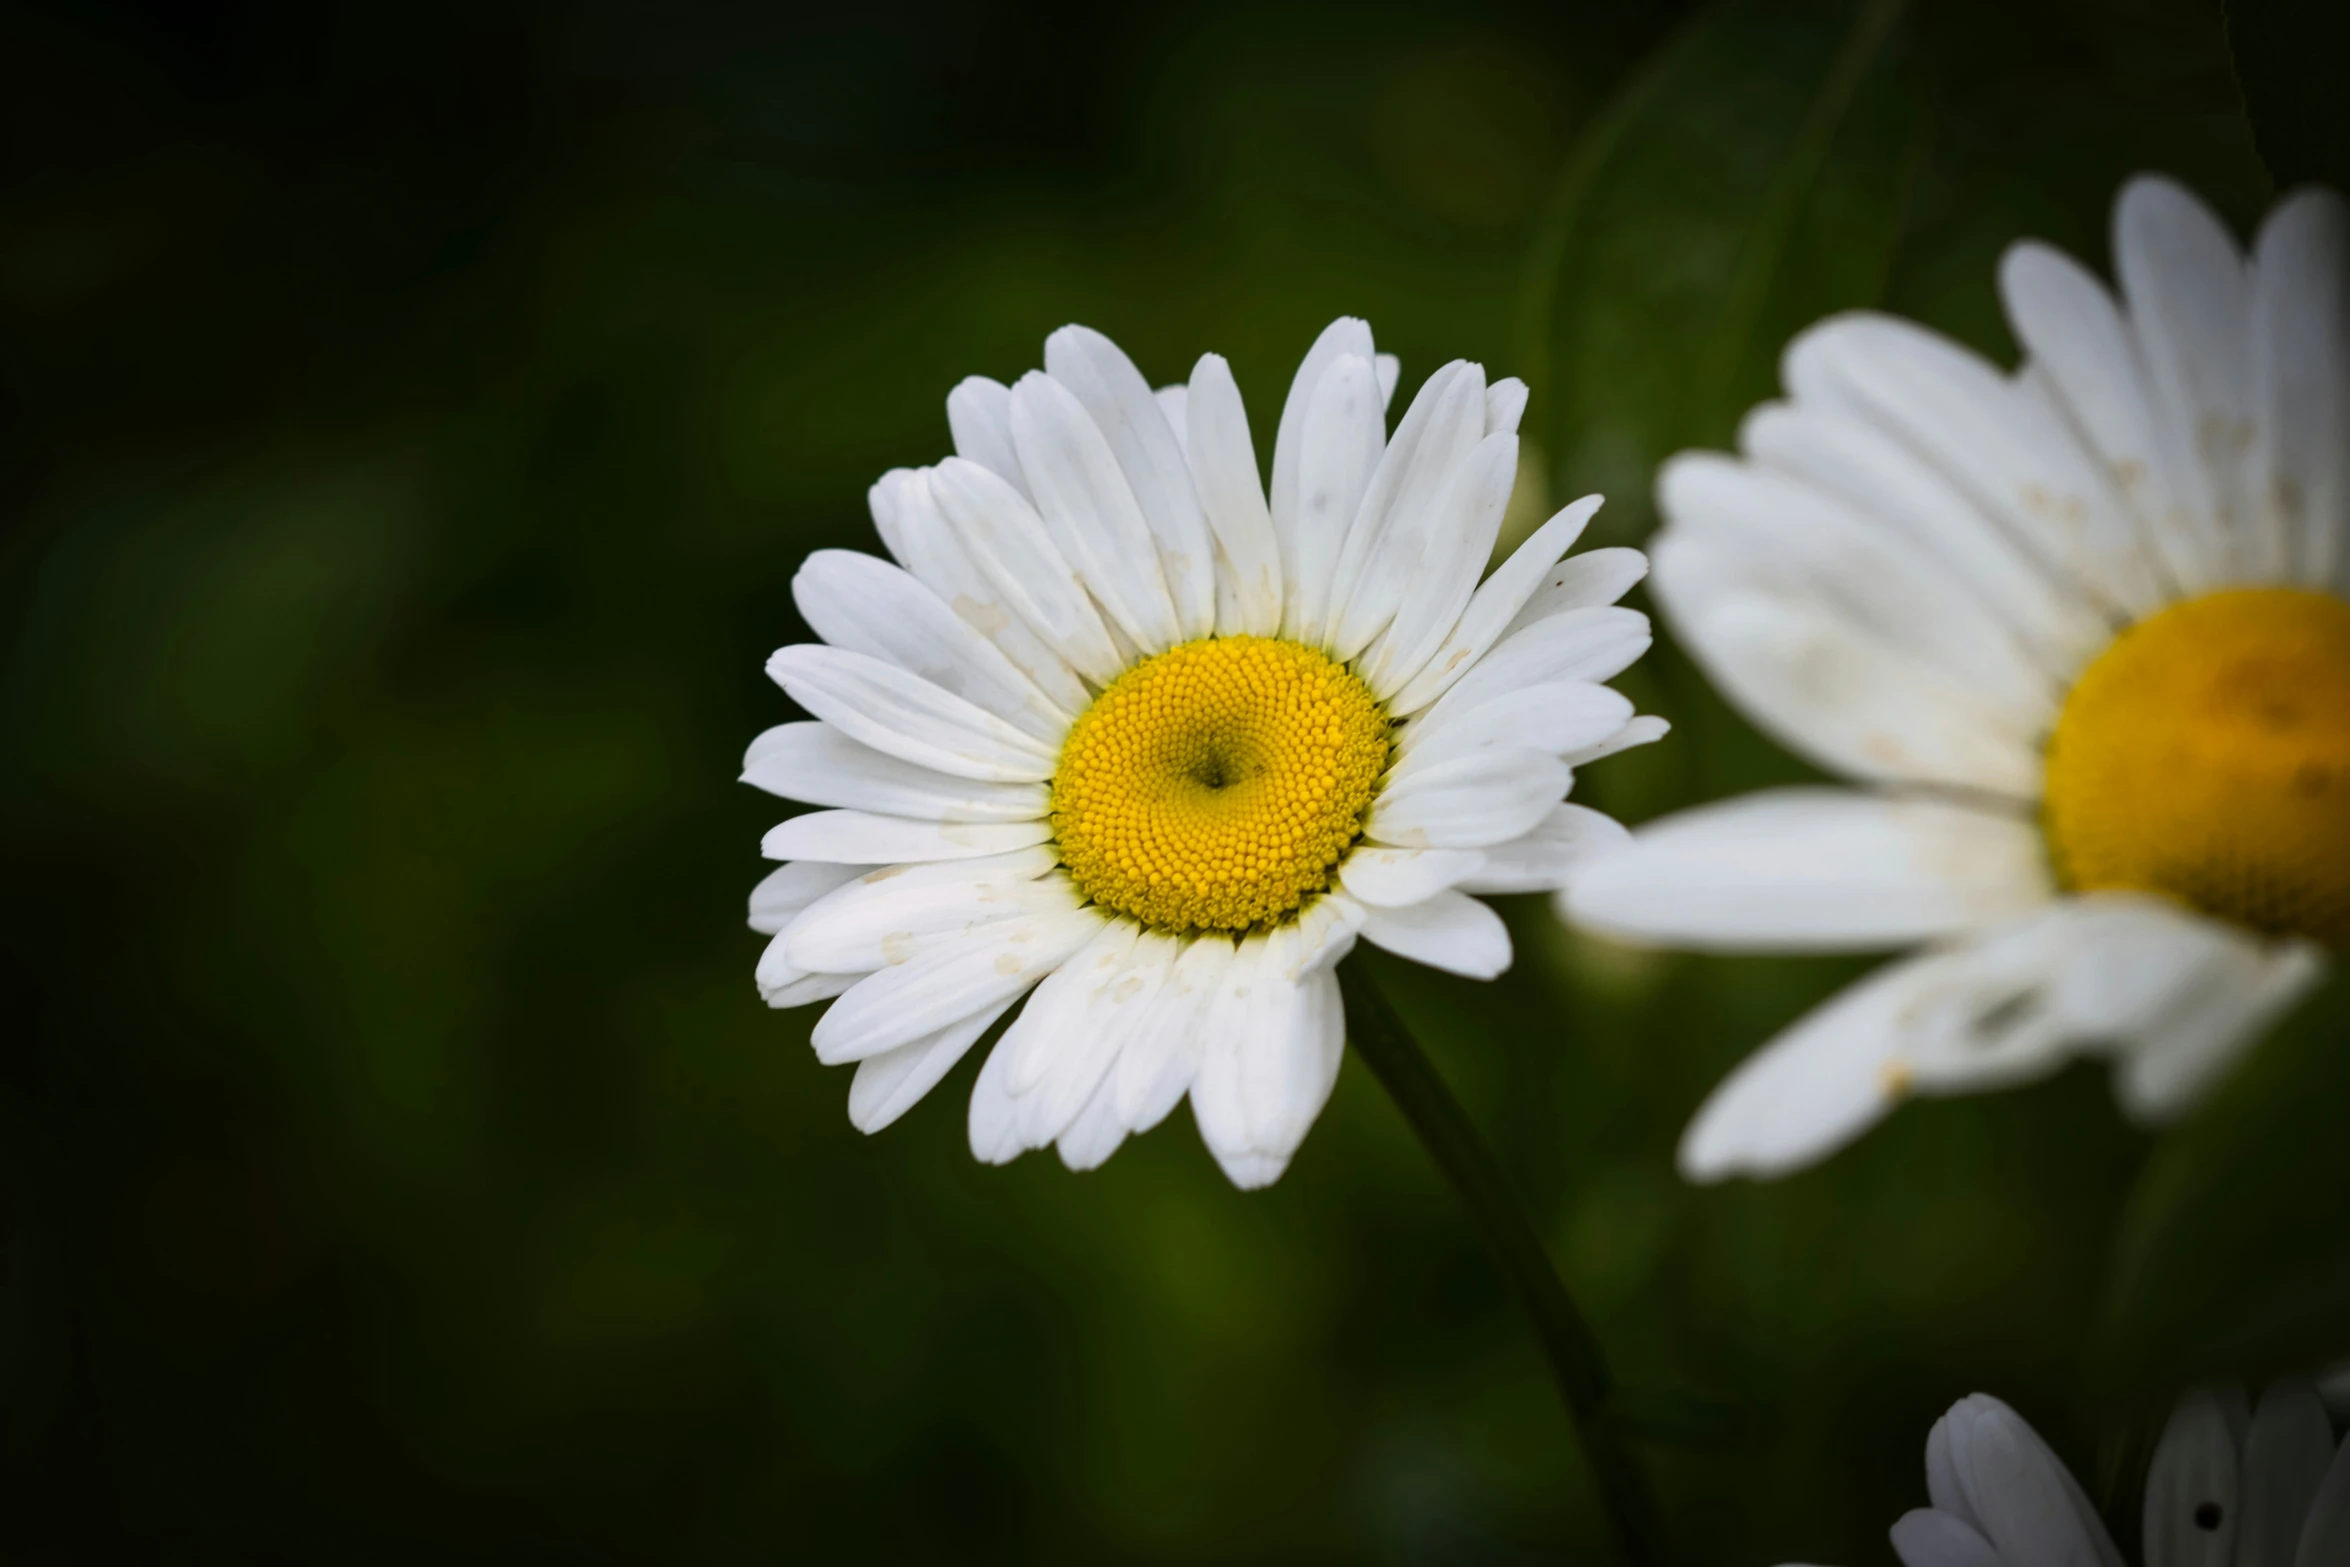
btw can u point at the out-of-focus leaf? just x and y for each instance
(2288, 56)
(1713, 209)
(2233, 1256)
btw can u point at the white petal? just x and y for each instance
(1558, 717)
(1342, 338)
(1231, 613)
(1105, 381)
(1561, 845)
(1247, 1168)
(932, 548)
(1584, 644)
(2190, 309)
(1224, 467)
(1089, 510)
(782, 983)
(1810, 869)
(1449, 930)
(2300, 366)
(1841, 453)
(1583, 581)
(1785, 539)
(1272, 1053)
(1321, 935)
(2078, 337)
(1293, 1060)
(979, 415)
(906, 716)
(1995, 440)
(1121, 1017)
(1827, 1077)
(886, 915)
(1942, 1483)
(1498, 605)
(2102, 972)
(816, 763)
(1216, 1101)
(1078, 1039)
(2194, 1470)
(1923, 1537)
(1053, 1025)
(1095, 1134)
(995, 1116)
(948, 982)
(1393, 527)
(1833, 693)
(2333, 1386)
(1278, 1022)
(1009, 546)
(2325, 1538)
(888, 1085)
(787, 889)
(1389, 878)
(2286, 1455)
(862, 838)
(1338, 449)
(866, 605)
(801, 989)
(1157, 1067)
(1470, 801)
(1389, 369)
(1505, 405)
(1647, 729)
(1175, 407)
(2240, 986)
(885, 499)
(2019, 1494)
(776, 972)
(1467, 520)
(1138, 1003)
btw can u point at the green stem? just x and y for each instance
(1576, 1363)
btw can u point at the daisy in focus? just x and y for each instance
(2079, 637)
(1123, 729)
(2230, 1484)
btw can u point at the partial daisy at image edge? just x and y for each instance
(1125, 739)
(2230, 1482)
(2077, 637)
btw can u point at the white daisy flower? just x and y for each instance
(2080, 637)
(1122, 729)
(2230, 1486)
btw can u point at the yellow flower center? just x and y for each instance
(2206, 755)
(1217, 785)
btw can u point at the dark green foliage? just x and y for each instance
(2288, 57)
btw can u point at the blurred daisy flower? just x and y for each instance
(2078, 634)
(2230, 1486)
(1121, 728)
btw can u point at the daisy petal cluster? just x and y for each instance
(1129, 740)
(2078, 637)
(2230, 1486)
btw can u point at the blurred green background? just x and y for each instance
(414, 415)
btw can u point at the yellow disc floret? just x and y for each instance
(2205, 755)
(1217, 785)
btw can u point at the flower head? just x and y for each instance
(1120, 729)
(2229, 1484)
(2080, 637)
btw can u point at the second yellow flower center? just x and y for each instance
(1217, 785)
(2205, 755)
